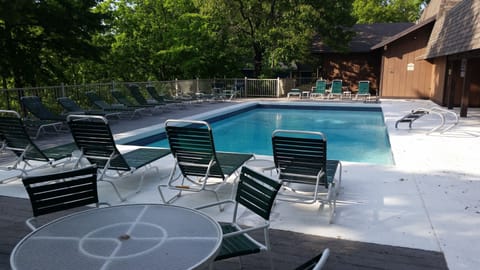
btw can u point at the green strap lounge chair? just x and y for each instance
(256, 193)
(122, 99)
(336, 89)
(363, 90)
(138, 96)
(319, 91)
(294, 92)
(301, 160)
(71, 107)
(28, 154)
(60, 191)
(161, 99)
(94, 138)
(44, 121)
(35, 106)
(100, 103)
(200, 165)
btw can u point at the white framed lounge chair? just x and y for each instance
(94, 138)
(319, 90)
(301, 160)
(294, 92)
(363, 90)
(202, 168)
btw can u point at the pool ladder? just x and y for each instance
(442, 113)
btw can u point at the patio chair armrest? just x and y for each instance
(246, 230)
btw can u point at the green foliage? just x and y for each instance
(84, 41)
(377, 11)
(158, 40)
(40, 38)
(276, 32)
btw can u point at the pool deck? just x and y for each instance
(430, 198)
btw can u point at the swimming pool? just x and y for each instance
(356, 134)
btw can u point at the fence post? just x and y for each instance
(62, 86)
(176, 87)
(197, 90)
(245, 86)
(278, 87)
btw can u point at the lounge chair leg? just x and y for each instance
(171, 178)
(172, 199)
(122, 199)
(337, 187)
(332, 201)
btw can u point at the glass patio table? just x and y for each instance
(136, 236)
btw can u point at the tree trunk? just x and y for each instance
(258, 59)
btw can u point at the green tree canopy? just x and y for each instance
(166, 39)
(387, 11)
(38, 38)
(158, 40)
(273, 32)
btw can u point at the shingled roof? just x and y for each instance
(404, 33)
(367, 35)
(457, 31)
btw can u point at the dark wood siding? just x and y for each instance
(353, 67)
(457, 83)
(473, 68)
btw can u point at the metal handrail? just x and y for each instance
(442, 113)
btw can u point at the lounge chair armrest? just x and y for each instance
(321, 173)
(213, 204)
(68, 113)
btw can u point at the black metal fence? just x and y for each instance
(245, 87)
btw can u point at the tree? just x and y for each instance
(165, 39)
(39, 38)
(281, 31)
(377, 11)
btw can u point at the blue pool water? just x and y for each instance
(358, 136)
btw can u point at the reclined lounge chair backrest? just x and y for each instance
(93, 136)
(363, 88)
(336, 87)
(16, 137)
(69, 105)
(300, 156)
(97, 100)
(153, 93)
(35, 106)
(137, 95)
(191, 143)
(122, 99)
(320, 87)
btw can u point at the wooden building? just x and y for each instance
(436, 58)
(404, 73)
(360, 62)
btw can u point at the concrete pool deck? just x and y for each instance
(428, 200)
